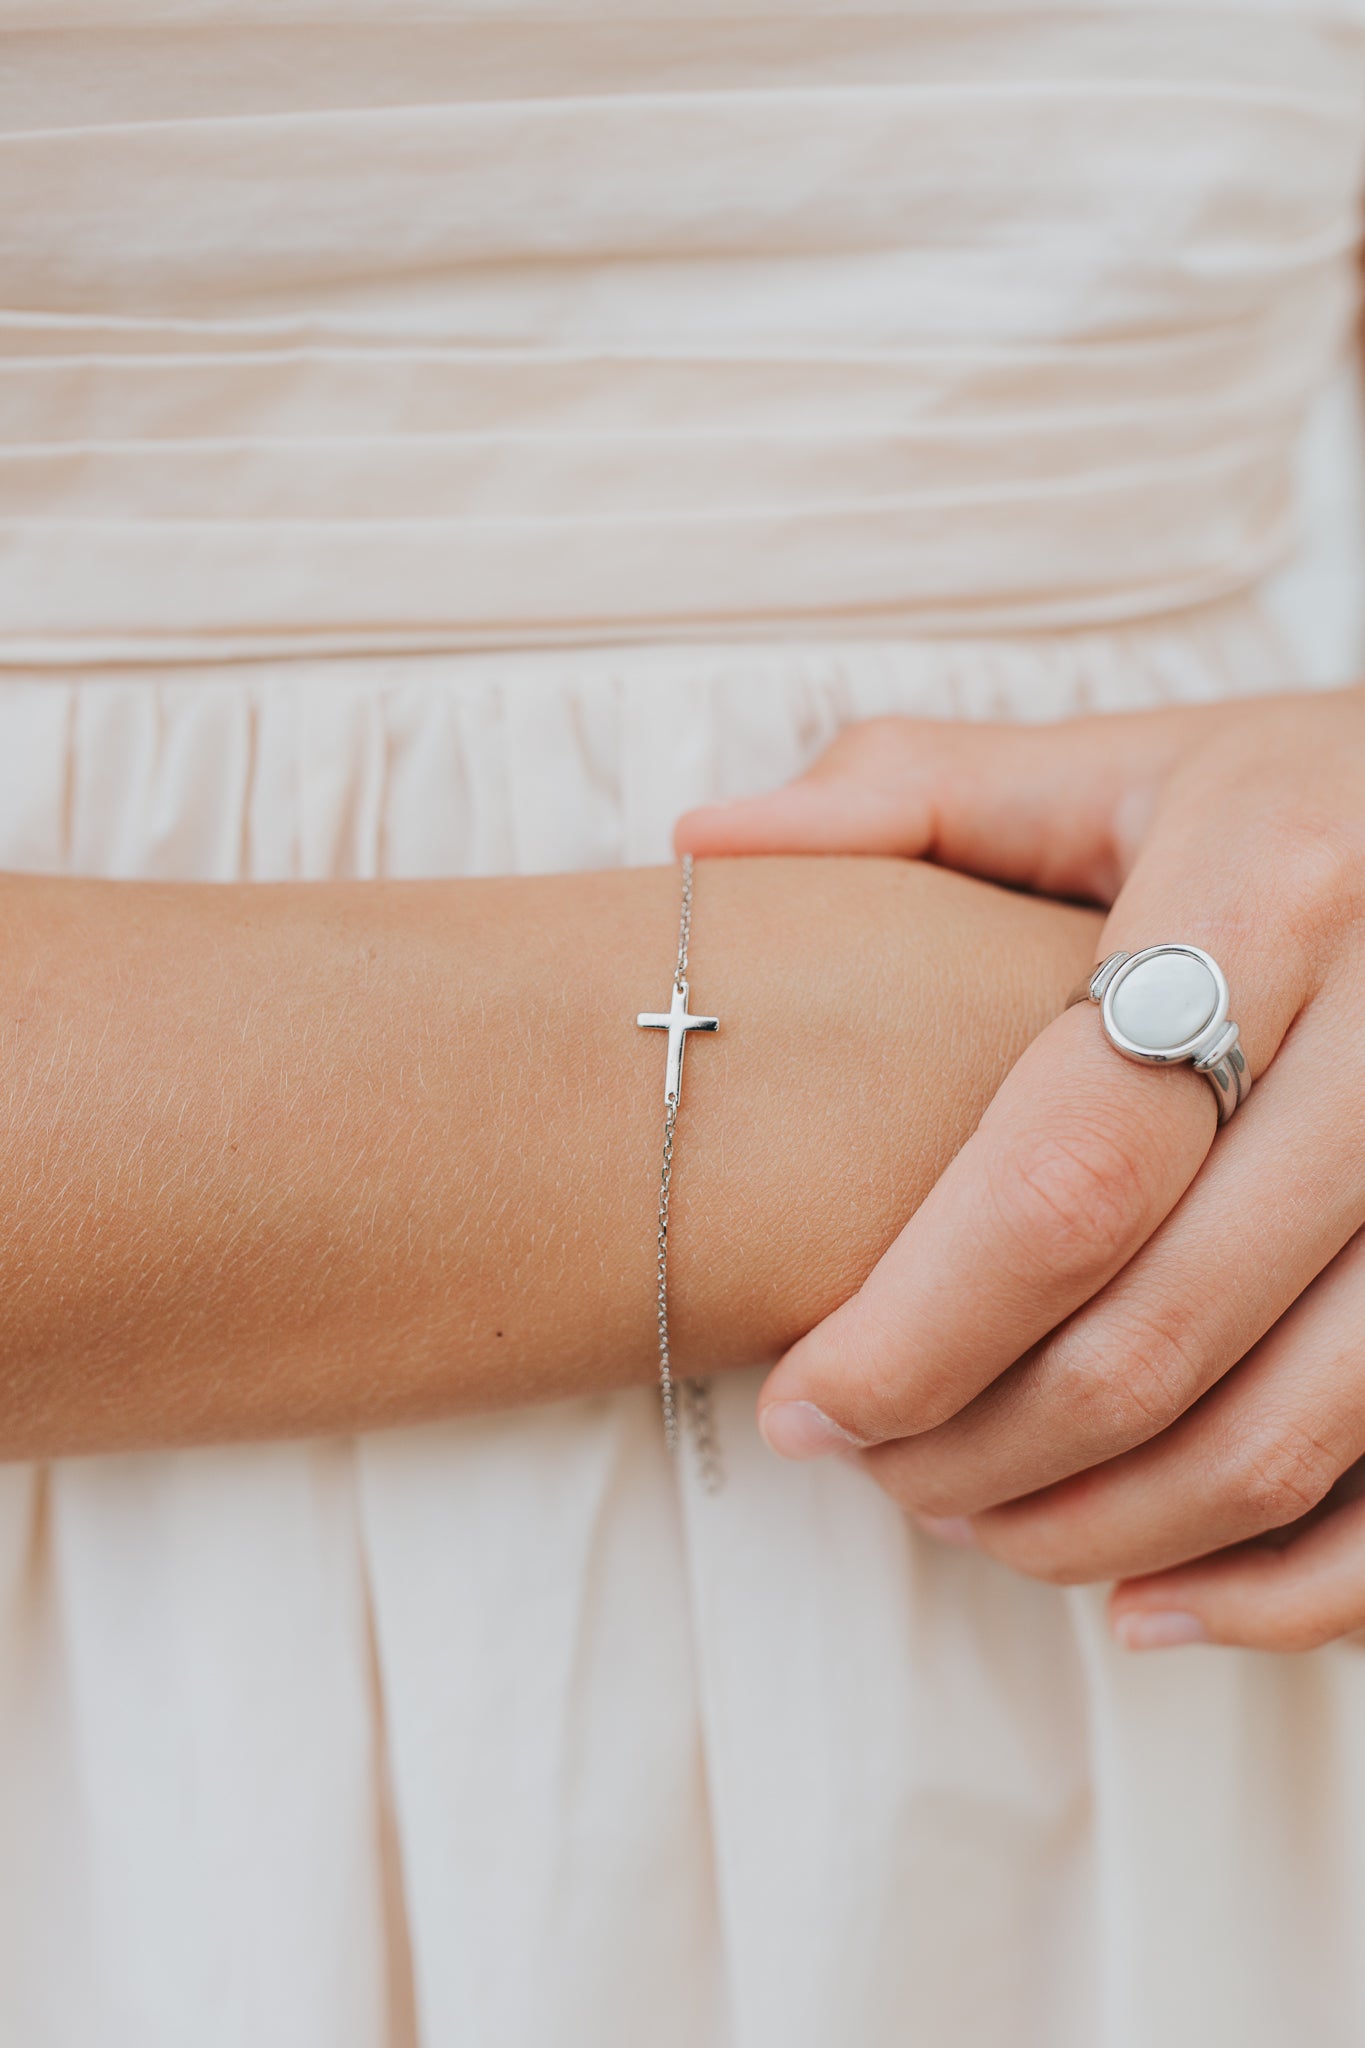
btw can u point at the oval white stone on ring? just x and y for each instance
(1165, 1001)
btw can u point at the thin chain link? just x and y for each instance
(696, 1406)
(668, 1397)
(684, 922)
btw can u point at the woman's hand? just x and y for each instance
(1105, 1346)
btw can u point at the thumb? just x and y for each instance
(1057, 808)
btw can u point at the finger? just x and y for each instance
(1072, 1167)
(1271, 1207)
(1058, 808)
(1079, 1158)
(1296, 1596)
(1261, 1451)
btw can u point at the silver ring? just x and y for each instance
(1167, 1004)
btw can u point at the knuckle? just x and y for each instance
(1088, 1396)
(1124, 1382)
(1069, 1203)
(1157, 1378)
(1282, 1474)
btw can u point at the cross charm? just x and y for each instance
(677, 1023)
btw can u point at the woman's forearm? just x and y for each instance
(280, 1159)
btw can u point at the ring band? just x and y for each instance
(1169, 1004)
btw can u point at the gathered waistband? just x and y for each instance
(692, 359)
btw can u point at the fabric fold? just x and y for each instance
(664, 344)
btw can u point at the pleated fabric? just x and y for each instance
(486, 327)
(451, 442)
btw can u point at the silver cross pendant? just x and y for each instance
(677, 1023)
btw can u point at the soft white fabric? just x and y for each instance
(439, 441)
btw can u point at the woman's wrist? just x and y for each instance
(329, 1157)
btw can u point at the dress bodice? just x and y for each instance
(469, 328)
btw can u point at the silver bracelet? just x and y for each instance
(695, 1403)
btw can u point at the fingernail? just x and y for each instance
(798, 1429)
(1146, 1629)
(949, 1529)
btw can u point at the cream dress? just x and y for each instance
(441, 440)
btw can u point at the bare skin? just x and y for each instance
(285, 1159)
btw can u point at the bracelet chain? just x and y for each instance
(692, 1401)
